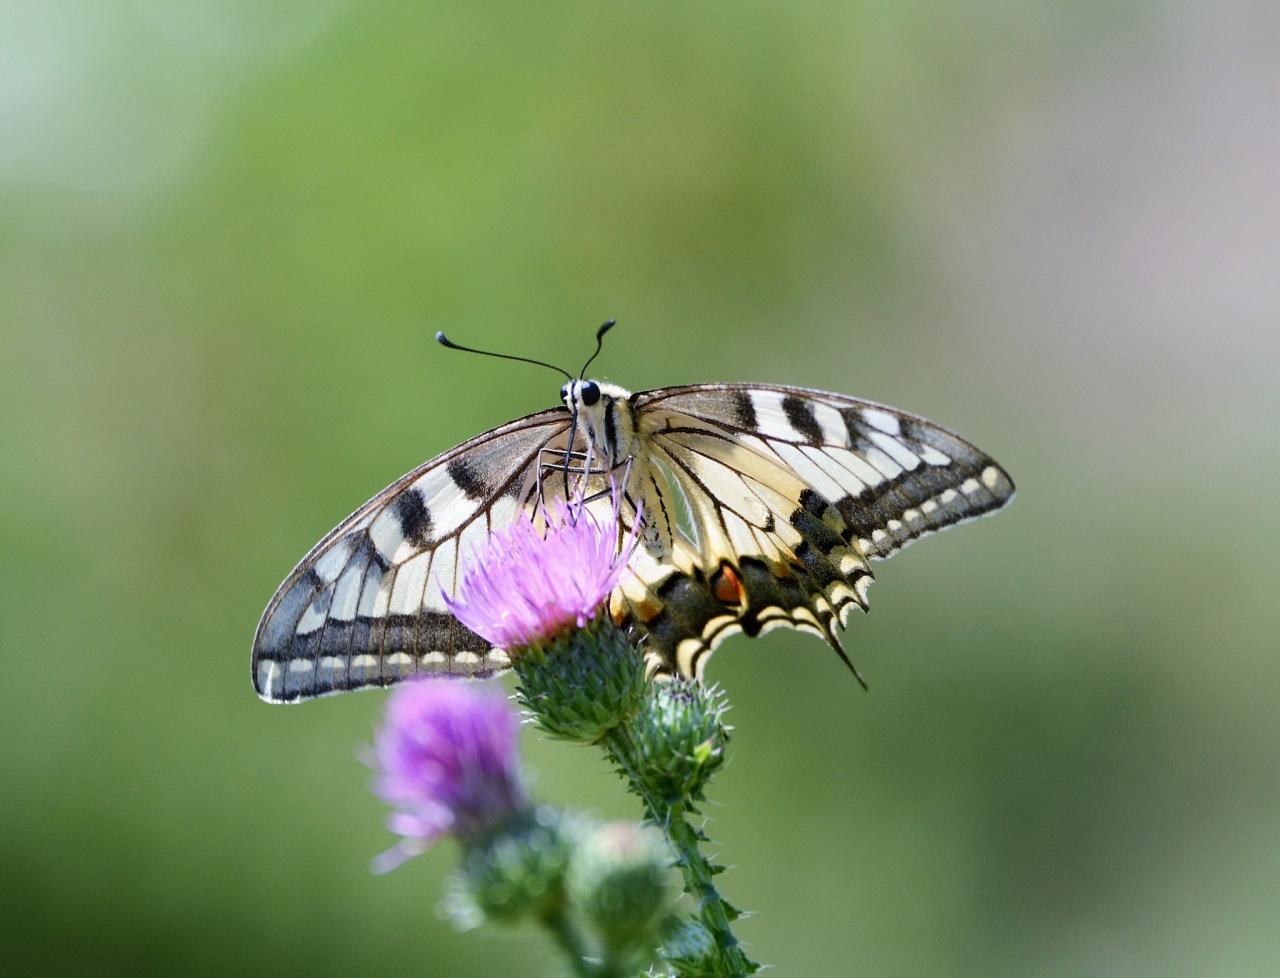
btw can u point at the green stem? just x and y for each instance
(671, 815)
(571, 940)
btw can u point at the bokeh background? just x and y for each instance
(228, 231)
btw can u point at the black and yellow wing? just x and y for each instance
(788, 494)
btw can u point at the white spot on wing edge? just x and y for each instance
(882, 420)
(861, 586)
(851, 562)
(834, 430)
(932, 456)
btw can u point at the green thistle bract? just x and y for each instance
(679, 737)
(580, 686)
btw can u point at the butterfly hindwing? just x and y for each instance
(364, 607)
(791, 492)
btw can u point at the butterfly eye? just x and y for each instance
(590, 392)
(564, 392)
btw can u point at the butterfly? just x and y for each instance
(759, 506)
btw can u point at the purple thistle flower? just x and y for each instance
(446, 760)
(525, 585)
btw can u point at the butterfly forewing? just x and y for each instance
(893, 476)
(793, 490)
(364, 607)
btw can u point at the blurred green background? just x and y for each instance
(228, 231)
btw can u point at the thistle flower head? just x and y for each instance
(526, 585)
(446, 761)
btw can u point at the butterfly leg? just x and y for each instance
(554, 460)
(624, 466)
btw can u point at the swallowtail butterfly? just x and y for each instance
(762, 506)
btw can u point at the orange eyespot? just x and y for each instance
(727, 587)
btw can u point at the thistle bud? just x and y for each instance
(688, 947)
(679, 737)
(516, 873)
(620, 879)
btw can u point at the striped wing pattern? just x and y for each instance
(790, 493)
(364, 607)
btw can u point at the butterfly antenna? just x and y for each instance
(604, 328)
(448, 344)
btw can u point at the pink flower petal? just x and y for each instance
(522, 586)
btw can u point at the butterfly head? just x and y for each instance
(582, 394)
(604, 415)
(603, 412)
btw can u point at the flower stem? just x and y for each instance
(671, 815)
(574, 944)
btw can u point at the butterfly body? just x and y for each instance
(616, 447)
(759, 506)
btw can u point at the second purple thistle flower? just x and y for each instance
(446, 760)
